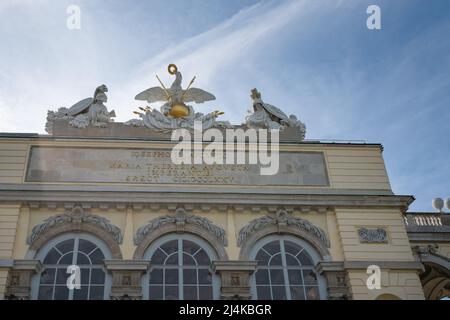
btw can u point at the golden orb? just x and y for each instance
(179, 111)
(172, 68)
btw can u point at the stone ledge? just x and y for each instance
(114, 130)
(6, 263)
(324, 266)
(128, 265)
(32, 265)
(234, 265)
(307, 202)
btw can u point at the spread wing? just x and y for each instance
(275, 111)
(80, 106)
(197, 95)
(152, 95)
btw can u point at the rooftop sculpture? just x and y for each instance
(267, 116)
(87, 111)
(173, 114)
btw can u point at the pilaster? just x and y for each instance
(235, 277)
(19, 279)
(335, 275)
(126, 278)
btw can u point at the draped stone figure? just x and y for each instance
(267, 116)
(89, 111)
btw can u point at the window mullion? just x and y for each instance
(285, 272)
(180, 269)
(54, 281)
(198, 282)
(74, 262)
(164, 281)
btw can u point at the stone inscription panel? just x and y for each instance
(154, 166)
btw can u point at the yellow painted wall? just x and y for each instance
(12, 161)
(357, 168)
(349, 167)
(349, 220)
(9, 215)
(402, 284)
(129, 220)
(405, 285)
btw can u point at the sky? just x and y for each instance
(315, 59)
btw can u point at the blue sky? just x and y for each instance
(315, 59)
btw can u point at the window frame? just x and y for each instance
(312, 252)
(45, 249)
(215, 279)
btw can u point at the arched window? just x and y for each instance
(285, 270)
(84, 251)
(180, 269)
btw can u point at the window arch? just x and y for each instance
(285, 270)
(83, 250)
(180, 269)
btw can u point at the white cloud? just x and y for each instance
(216, 54)
(71, 75)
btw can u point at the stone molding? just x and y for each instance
(126, 278)
(120, 197)
(19, 279)
(336, 276)
(117, 264)
(282, 219)
(6, 263)
(75, 219)
(425, 249)
(180, 219)
(232, 265)
(429, 254)
(428, 236)
(372, 235)
(180, 222)
(235, 278)
(75, 216)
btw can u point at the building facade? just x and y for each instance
(108, 200)
(126, 232)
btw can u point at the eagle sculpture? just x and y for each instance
(175, 96)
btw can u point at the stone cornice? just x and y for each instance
(121, 196)
(36, 137)
(166, 188)
(234, 265)
(32, 265)
(429, 237)
(116, 264)
(324, 266)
